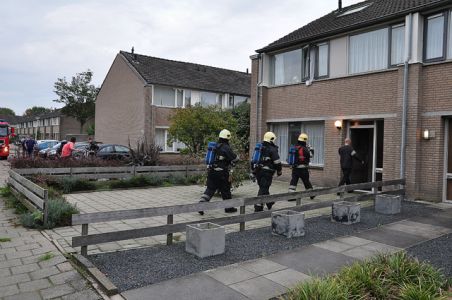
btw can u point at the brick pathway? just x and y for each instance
(272, 276)
(154, 197)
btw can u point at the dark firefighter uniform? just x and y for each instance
(218, 173)
(270, 163)
(301, 169)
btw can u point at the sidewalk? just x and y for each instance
(272, 276)
(31, 267)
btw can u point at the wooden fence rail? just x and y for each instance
(117, 172)
(242, 218)
(34, 197)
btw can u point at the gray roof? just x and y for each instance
(376, 12)
(189, 75)
(52, 114)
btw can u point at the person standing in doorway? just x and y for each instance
(347, 154)
(300, 169)
(264, 171)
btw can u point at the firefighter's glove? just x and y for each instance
(252, 177)
(279, 173)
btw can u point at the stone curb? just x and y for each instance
(106, 285)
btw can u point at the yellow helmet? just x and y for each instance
(225, 134)
(303, 137)
(269, 137)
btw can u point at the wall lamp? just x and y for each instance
(428, 134)
(338, 124)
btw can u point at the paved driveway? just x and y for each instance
(155, 197)
(4, 168)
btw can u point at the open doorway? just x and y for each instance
(363, 144)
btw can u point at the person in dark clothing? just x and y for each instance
(92, 146)
(300, 169)
(347, 154)
(30, 145)
(264, 171)
(218, 173)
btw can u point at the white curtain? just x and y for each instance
(435, 37)
(315, 130)
(397, 45)
(164, 96)
(282, 141)
(369, 51)
(287, 67)
(449, 46)
(323, 60)
(160, 138)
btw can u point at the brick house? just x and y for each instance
(52, 125)
(140, 93)
(365, 67)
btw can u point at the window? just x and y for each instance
(287, 134)
(107, 149)
(287, 67)
(164, 96)
(220, 100)
(180, 98)
(306, 63)
(208, 98)
(162, 141)
(434, 40)
(235, 101)
(368, 51)
(121, 149)
(187, 97)
(397, 44)
(449, 48)
(322, 60)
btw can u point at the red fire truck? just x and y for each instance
(6, 133)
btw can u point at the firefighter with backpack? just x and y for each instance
(219, 159)
(264, 163)
(299, 158)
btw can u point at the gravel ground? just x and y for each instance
(438, 252)
(140, 267)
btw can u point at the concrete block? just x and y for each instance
(288, 223)
(388, 204)
(205, 239)
(346, 212)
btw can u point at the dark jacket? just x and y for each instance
(347, 154)
(224, 155)
(270, 157)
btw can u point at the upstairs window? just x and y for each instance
(287, 67)
(306, 63)
(164, 96)
(397, 44)
(434, 37)
(208, 98)
(235, 100)
(322, 57)
(368, 51)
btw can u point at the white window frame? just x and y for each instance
(173, 148)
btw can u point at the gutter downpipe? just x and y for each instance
(258, 95)
(405, 100)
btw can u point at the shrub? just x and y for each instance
(396, 276)
(59, 214)
(30, 163)
(70, 185)
(136, 181)
(145, 153)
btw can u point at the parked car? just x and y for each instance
(52, 153)
(44, 144)
(112, 151)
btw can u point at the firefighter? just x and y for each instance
(218, 173)
(268, 165)
(300, 169)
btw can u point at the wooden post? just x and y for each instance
(242, 212)
(169, 236)
(84, 250)
(46, 206)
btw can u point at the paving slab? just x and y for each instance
(262, 266)
(441, 219)
(287, 277)
(425, 230)
(312, 260)
(193, 287)
(394, 238)
(259, 288)
(230, 274)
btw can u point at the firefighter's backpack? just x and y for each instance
(257, 154)
(296, 156)
(211, 153)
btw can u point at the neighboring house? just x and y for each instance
(348, 67)
(140, 93)
(53, 125)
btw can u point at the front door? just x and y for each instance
(363, 143)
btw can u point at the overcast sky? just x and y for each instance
(42, 40)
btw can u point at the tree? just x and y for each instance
(7, 111)
(196, 125)
(36, 110)
(242, 114)
(79, 97)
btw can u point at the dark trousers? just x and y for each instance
(217, 180)
(264, 180)
(346, 176)
(300, 173)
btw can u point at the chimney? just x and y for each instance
(246, 70)
(132, 49)
(339, 4)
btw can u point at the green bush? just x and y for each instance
(136, 181)
(11, 201)
(59, 214)
(396, 276)
(70, 185)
